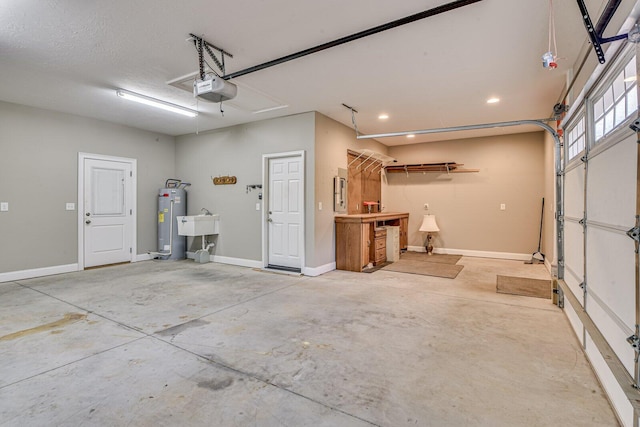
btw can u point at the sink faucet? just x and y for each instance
(206, 211)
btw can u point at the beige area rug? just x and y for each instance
(439, 258)
(437, 269)
(523, 286)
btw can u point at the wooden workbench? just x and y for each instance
(355, 237)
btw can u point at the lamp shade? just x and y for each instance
(429, 224)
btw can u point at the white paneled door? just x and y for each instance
(107, 212)
(285, 212)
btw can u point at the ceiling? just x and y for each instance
(71, 56)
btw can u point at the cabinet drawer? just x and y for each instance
(381, 243)
(380, 232)
(381, 255)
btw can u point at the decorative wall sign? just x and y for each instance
(223, 180)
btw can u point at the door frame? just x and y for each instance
(80, 205)
(265, 205)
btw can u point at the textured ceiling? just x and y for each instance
(70, 56)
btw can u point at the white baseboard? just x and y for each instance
(237, 261)
(550, 267)
(307, 271)
(317, 271)
(471, 253)
(142, 257)
(37, 272)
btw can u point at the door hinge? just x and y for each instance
(130, 250)
(131, 174)
(560, 294)
(634, 341)
(634, 233)
(130, 211)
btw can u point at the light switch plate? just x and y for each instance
(503, 207)
(71, 206)
(4, 206)
(319, 206)
(258, 206)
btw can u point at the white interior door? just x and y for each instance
(285, 212)
(107, 212)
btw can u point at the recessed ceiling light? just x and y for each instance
(411, 135)
(493, 100)
(383, 116)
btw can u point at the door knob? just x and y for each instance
(269, 220)
(88, 214)
(88, 221)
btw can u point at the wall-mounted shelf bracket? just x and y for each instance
(253, 187)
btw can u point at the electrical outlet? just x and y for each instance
(71, 206)
(4, 206)
(503, 207)
(426, 206)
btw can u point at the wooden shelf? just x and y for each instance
(442, 167)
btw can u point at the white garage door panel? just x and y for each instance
(574, 193)
(611, 271)
(617, 397)
(574, 321)
(574, 257)
(612, 185)
(615, 332)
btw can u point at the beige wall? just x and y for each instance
(549, 244)
(237, 151)
(39, 175)
(332, 140)
(467, 206)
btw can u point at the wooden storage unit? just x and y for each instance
(356, 238)
(379, 246)
(364, 180)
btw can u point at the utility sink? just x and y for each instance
(198, 225)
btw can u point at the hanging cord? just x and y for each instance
(552, 31)
(353, 120)
(198, 116)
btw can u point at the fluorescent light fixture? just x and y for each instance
(411, 135)
(631, 79)
(383, 116)
(493, 100)
(167, 106)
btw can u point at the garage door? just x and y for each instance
(600, 186)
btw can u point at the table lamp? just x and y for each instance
(429, 226)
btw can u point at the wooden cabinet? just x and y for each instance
(379, 246)
(360, 241)
(404, 233)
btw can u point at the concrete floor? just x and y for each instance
(178, 343)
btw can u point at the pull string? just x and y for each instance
(552, 30)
